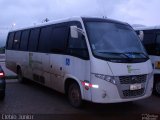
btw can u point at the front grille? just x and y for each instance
(133, 93)
(133, 79)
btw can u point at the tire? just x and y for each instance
(20, 76)
(157, 87)
(74, 95)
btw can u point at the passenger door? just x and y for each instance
(44, 51)
(57, 58)
(34, 56)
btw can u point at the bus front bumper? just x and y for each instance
(110, 93)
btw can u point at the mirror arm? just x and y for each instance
(80, 30)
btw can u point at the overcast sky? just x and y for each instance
(28, 12)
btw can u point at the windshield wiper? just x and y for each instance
(139, 53)
(114, 53)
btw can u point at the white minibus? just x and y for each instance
(92, 59)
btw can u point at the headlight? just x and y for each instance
(107, 78)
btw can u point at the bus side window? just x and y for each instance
(16, 40)
(33, 39)
(24, 40)
(149, 42)
(10, 41)
(59, 39)
(44, 39)
(78, 47)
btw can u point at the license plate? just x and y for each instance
(135, 87)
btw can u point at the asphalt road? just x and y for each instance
(31, 98)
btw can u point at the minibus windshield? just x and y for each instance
(114, 40)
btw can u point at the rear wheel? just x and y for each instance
(20, 76)
(74, 95)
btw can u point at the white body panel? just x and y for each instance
(120, 69)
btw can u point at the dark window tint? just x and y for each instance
(16, 41)
(24, 40)
(10, 40)
(33, 40)
(77, 46)
(78, 43)
(149, 41)
(158, 42)
(59, 39)
(149, 37)
(44, 40)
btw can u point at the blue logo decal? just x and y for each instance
(67, 61)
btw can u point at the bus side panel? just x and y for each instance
(15, 59)
(57, 71)
(10, 62)
(63, 65)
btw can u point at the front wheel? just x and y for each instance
(74, 95)
(157, 87)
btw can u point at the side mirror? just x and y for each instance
(141, 35)
(73, 31)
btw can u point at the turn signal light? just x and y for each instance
(89, 85)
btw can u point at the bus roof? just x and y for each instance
(67, 20)
(49, 23)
